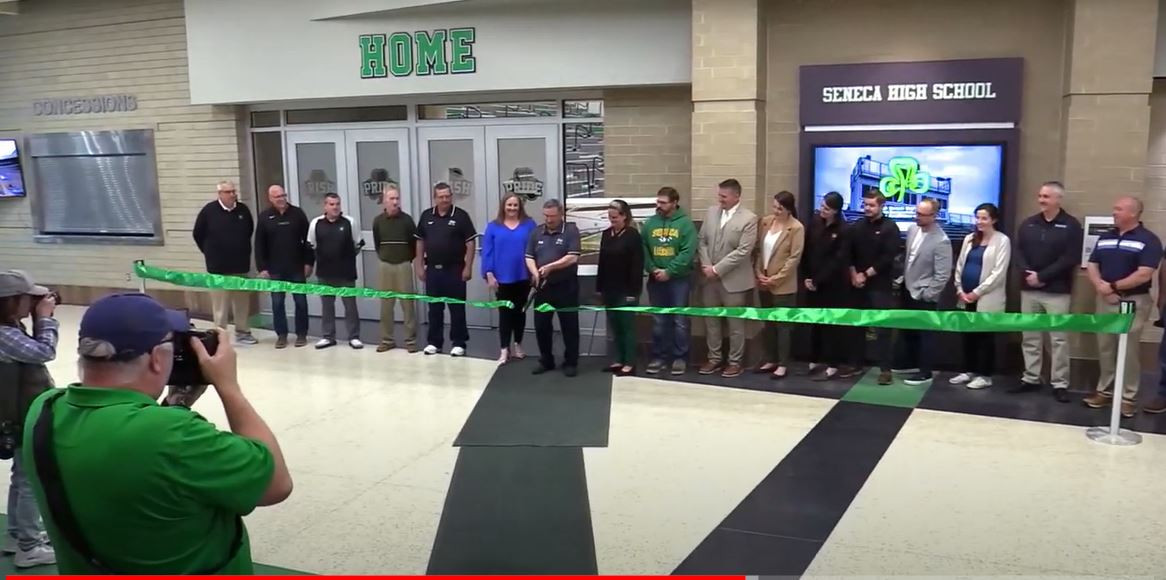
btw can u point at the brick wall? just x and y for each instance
(59, 48)
(647, 141)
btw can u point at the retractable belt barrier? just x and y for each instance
(949, 321)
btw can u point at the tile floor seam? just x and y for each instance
(767, 535)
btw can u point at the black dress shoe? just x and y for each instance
(1061, 395)
(570, 371)
(1024, 387)
(540, 369)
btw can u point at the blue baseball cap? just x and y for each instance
(132, 323)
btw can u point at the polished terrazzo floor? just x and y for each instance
(687, 477)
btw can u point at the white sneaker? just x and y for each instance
(356, 344)
(457, 351)
(905, 371)
(11, 546)
(325, 343)
(961, 379)
(980, 383)
(431, 350)
(41, 555)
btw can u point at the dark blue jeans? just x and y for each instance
(446, 282)
(669, 331)
(278, 311)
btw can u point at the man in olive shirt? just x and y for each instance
(152, 489)
(394, 235)
(552, 256)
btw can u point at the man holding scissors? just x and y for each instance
(552, 255)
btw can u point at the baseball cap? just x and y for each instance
(132, 323)
(17, 283)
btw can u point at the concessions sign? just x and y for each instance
(898, 93)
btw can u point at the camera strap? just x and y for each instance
(49, 474)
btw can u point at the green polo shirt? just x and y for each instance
(155, 490)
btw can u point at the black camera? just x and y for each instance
(186, 372)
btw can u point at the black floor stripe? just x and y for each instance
(1036, 406)
(518, 408)
(780, 526)
(516, 510)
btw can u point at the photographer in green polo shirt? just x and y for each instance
(133, 487)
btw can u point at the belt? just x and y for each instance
(444, 266)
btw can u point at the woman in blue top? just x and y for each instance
(504, 267)
(980, 274)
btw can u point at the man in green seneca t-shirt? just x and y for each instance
(154, 489)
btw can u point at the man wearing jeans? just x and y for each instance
(926, 273)
(1121, 269)
(282, 253)
(669, 245)
(1047, 245)
(394, 235)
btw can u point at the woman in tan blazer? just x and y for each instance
(780, 240)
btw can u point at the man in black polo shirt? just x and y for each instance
(446, 238)
(1046, 258)
(552, 256)
(282, 253)
(875, 244)
(1121, 269)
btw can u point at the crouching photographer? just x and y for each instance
(23, 376)
(131, 486)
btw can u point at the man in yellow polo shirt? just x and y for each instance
(128, 486)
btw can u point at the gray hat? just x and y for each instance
(16, 283)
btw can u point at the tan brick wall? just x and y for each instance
(728, 93)
(647, 141)
(852, 31)
(58, 48)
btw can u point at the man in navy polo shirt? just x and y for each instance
(446, 239)
(1121, 268)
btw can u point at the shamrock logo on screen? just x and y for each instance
(904, 177)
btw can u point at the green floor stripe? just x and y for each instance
(868, 390)
(7, 568)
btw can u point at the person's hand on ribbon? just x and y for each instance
(264, 274)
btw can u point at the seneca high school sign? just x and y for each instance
(421, 53)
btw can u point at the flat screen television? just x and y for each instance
(959, 177)
(11, 176)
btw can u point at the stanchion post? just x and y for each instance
(1113, 434)
(141, 280)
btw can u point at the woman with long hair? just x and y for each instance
(619, 281)
(782, 239)
(504, 268)
(25, 355)
(827, 285)
(980, 275)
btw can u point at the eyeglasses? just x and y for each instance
(921, 214)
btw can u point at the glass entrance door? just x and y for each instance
(316, 166)
(375, 158)
(457, 156)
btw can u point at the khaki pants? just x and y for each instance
(398, 278)
(1107, 347)
(716, 295)
(224, 301)
(1033, 344)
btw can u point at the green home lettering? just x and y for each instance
(423, 53)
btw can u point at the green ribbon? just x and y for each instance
(952, 321)
(221, 282)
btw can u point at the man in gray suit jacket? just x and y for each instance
(727, 237)
(926, 272)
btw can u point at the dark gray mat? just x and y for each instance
(516, 510)
(547, 410)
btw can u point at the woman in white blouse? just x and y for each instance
(980, 275)
(781, 238)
